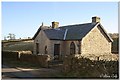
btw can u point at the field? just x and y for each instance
(18, 46)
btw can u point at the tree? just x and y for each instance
(5, 38)
(11, 36)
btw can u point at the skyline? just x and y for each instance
(24, 18)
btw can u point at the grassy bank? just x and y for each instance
(18, 46)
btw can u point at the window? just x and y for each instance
(72, 48)
(46, 50)
(37, 48)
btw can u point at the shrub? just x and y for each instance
(86, 68)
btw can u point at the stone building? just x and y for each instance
(79, 39)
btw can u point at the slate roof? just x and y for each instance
(39, 31)
(71, 32)
(55, 34)
(74, 32)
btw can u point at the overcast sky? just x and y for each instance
(24, 18)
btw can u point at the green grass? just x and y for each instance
(18, 46)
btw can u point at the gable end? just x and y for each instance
(102, 30)
(36, 33)
(100, 27)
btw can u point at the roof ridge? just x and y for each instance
(73, 25)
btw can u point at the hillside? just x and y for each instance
(22, 45)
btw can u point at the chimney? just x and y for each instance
(95, 19)
(55, 24)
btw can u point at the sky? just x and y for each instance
(24, 18)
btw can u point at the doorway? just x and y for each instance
(56, 51)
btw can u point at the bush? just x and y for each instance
(86, 68)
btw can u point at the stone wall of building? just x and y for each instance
(65, 47)
(43, 41)
(95, 43)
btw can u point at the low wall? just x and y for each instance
(11, 55)
(41, 60)
(105, 57)
(86, 68)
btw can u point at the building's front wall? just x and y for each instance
(43, 41)
(51, 49)
(64, 47)
(95, 43)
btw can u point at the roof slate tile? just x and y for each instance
(75, 32)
